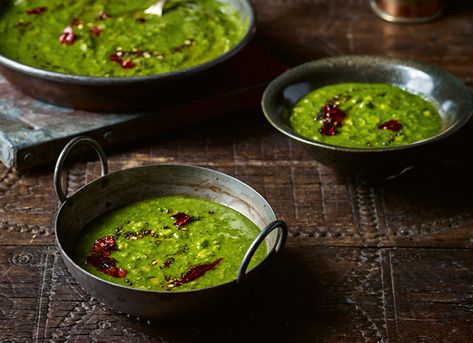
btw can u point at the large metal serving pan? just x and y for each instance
(127, 94)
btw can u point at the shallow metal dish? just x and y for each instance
(113, 190)
(448, 94)
(132, 93)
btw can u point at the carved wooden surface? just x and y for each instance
(389, 262)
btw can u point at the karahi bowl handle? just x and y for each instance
(277, 224)
(82, 140)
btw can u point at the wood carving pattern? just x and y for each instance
(34, 230)
(364, 200)
(75, 316)
(19, 269)
(69, 314)
(48, 259)
(57, 319)
(26, 207)
(8, 178)
(364, 273)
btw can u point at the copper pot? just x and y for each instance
(407, 11)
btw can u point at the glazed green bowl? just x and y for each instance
(448, 94)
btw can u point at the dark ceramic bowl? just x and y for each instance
(448, 94)
(125, 94)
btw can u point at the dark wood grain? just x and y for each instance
(389, 262)
(327, 293)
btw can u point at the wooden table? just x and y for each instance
(391, 262)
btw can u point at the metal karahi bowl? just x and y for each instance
(448, 94)
(114, 190)
(126, 94)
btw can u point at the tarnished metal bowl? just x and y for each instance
(133, 93)
(114, 190)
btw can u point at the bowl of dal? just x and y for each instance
(367, 116)
(164, 241)
(113, 56)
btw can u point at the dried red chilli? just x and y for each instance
(127, 64)
(36, 10)
(104, 246)
(76, 22)
(195, 273)
(106, 265)
(333, 112)
(332, 117)
(67, 36)
(100, 259)
(392, 125)
(328, 129)
(95, 31)
(181, 219)
(117, 57)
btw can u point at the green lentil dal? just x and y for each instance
(155, 252)
(366, 106)
(116, 38)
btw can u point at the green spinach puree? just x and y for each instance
(169, 243)
(364, 115)
(116, 37)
